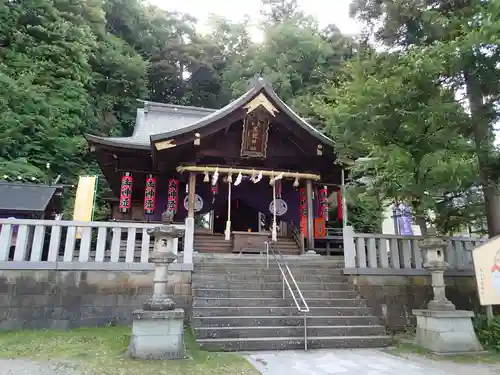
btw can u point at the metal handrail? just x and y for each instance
(303, 309)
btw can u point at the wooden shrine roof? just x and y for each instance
(157, 122)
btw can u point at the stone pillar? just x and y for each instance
(158, 328)
(441, 328)
(189, 234)
(349, 248)
(310, 218)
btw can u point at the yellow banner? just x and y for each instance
(84, 200)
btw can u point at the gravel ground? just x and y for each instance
(317, 362)
(29, 367)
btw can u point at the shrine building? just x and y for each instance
(238, 176)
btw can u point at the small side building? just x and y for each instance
(29, 201)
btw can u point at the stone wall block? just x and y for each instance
(393, 297)
(34, 299)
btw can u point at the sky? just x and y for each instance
(325, 11)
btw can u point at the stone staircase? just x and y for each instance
(238, 306)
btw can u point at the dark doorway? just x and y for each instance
(243, 217)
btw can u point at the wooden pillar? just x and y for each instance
(191, 193)
(310, 216)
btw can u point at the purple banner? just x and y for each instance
(404, 219)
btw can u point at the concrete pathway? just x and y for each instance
(359, 362)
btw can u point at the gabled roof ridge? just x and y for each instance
(176, 107)
(207, 116)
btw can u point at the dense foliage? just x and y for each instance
(453, 45)
(72, 67)
(488, 333)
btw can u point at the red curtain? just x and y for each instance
(339, 205)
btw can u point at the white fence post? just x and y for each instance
(349, 249)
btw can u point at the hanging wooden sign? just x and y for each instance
(150, 195)
(126, 192)
(323, 203)
(173, 196)
(255, 134)
(303, 210)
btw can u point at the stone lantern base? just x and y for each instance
(446, 332)
(157, 334)
(158, 328)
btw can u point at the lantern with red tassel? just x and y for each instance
(150, 195)
(340, 209)
(323, 203)
(173, 196)
(126, 192)
(303, 210)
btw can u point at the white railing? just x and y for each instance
(73, 241)
(363, 250)
(302, 306)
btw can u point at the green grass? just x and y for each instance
(103, 351)
(405, 348)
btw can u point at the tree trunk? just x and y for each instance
(483, 137)
(422, 223)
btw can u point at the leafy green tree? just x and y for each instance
(463, 35)
(44, 71)
(394, 113)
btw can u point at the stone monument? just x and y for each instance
(158, 328)
(441, 328)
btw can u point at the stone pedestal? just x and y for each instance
(441, 328)
(158, 328)
(157, 334)
(446, 332)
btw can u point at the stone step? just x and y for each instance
(282, 331)
(251, 258)
(266, 320)
(268, 278)
(272, 270)
(279, 311)
(278, 285)
(261, 264)
(211, 239)
(212, 244)
(276, 302)
(215, 250)
(281, 343)
(259, 293)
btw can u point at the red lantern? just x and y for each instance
(126, 192)
(340, 208)
(323, 203)
(173, 196)
(150, 195)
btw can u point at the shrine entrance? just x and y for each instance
(244, 218)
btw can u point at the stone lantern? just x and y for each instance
(441, 328)
(158, 328)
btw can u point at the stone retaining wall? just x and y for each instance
(70, 298)
(393, 297)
